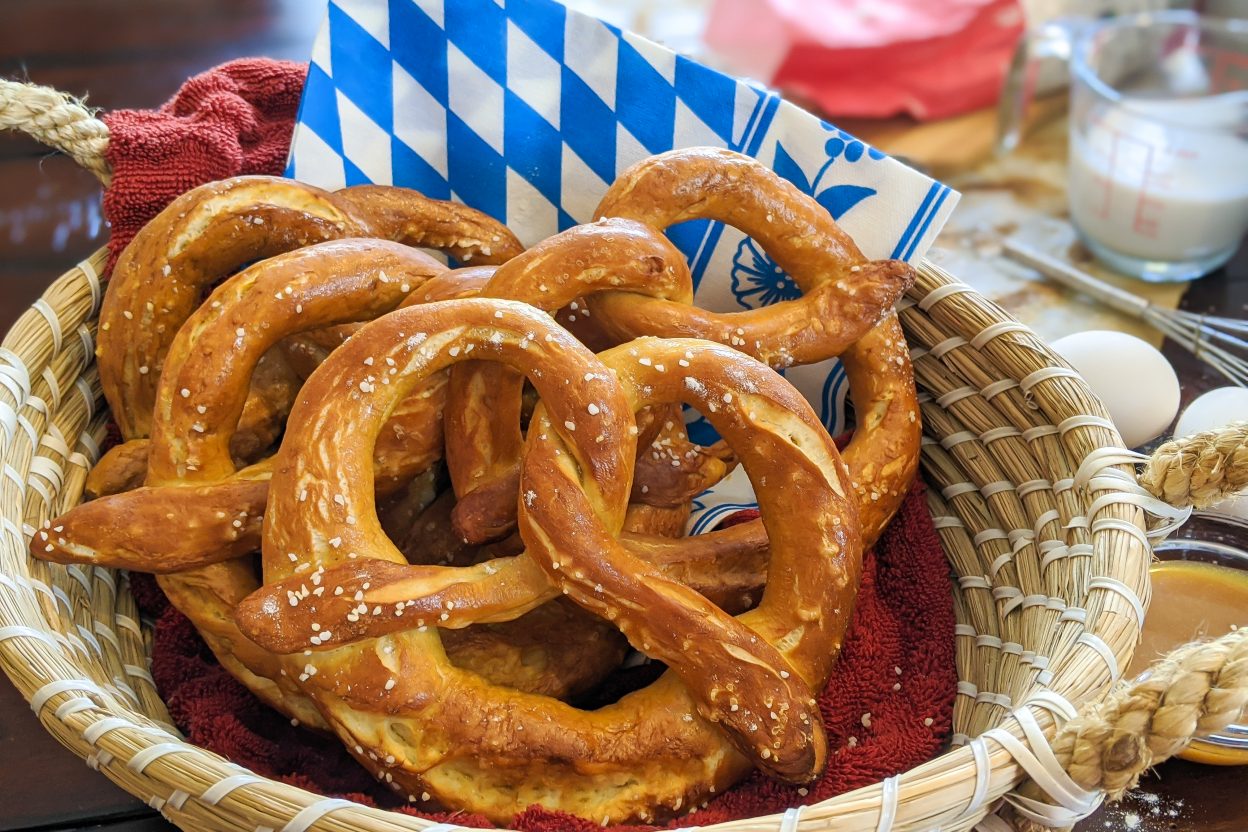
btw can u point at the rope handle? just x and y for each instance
(1201, 469)
(58, 120)
(1197, 690)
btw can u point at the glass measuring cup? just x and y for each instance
(1158, 166)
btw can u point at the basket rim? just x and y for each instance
(190, 784)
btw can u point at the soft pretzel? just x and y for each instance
(653, 748)
(191, 476)
(844, 296)
(296, 292)
(729, 566)
(843, 293)
(190, 473)
(208, 232)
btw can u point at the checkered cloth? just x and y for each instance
(528, 110)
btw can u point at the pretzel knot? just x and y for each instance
(739, 691)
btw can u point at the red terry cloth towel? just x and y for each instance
(887, 708)
(233, 120)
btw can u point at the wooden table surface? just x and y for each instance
(135, 53)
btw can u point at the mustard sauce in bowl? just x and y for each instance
(1199, 592)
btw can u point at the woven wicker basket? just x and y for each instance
(1037, 505)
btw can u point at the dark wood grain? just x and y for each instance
(135, 53)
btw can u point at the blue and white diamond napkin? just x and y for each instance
(528, 110)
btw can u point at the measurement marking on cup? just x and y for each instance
(1146, 225)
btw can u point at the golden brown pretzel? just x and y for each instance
(200, 238)
(583, 650)
(211, 355)
(210, 231)
(843, 293)
(729, 566)
(190, 473)
(127, 530)
(653, 750)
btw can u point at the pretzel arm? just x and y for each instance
(737, 190)
(727, 566)
(122, 468)
(671, 470)
(823, 323)
(883, 455)
(844, 294)
(160, 530)
(747, 684)
(411, 218)
(379, 597)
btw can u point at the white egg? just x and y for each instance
(1213, 410)
(1133, 379)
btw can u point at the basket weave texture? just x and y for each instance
(1036, 502)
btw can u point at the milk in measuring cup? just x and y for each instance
(1162, 180)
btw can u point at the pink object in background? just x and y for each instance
(872, 58)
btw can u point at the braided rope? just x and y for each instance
(1195, 691)
(1201, 469)
(57, 120)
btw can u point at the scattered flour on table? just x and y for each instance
(1143, 811)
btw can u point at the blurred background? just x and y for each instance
(879, 68)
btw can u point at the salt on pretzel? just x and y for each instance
(274, 385)
(671, 471)
(843, 293)
(483, 406)
(744, 681)
(729, 566)
(336, 283)
(413, 438)
(200, 238)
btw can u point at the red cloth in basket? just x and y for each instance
(887, 708)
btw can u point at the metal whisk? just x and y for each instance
(1214, 340)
